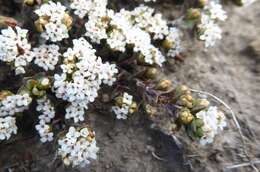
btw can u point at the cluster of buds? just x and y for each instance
(200, 121)
(188, 104)
(37, 86)
(164, 84)
(205, 17)
(124, 106)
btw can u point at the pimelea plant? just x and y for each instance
(85, 47)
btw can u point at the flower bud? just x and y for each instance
(193, 14)
(38, 93)
(164, 85)
(43, 83)
(186, 100)
(67, 20)
(199, 105)
(199, 132)
(4, 94)
(186, 117)
(29, 2)
(167, 44)
(239, 2)
(182, 89)
(119, 101)
(198, 122)
(40, 23)
(31, 83)
(140, 59)
(150, 110)
(151, 72)
(133, 108)
(202, 3)
(66, 161)
(90, 138)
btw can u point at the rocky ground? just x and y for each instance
(230, 70)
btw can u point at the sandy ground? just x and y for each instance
(230, 70)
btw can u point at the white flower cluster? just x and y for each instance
(84, 7)
(14, 47)
(136, 28)
(174, 38)
(214, 121)
(7, 127)
(47, 111)
(78, 147)
(53, 15)
(8, 107)
(47, 56)
(14, 104)
(210, 32)
(122, 110)
(83, 73)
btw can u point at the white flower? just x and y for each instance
(53, 10)
(45, 81)
(117, 40)
(42, 127)
(76, 112)
(221, 120)
(55, 28)
(122, 28)
(14, 104)
(14, 47)
(127, 99)
(55, 32)
(214, 121)
(216, 11)
(122, 111)
(47, 56)
(96, 29)
(46, 109)
(7, 127)
(174, 37)
(209, 31)
(47, 137)
(147, 20)
(91, 7)
(44, 131)
(142, 43)
(84, 132)
(77, 148)
(108, 73)
(87, 74)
